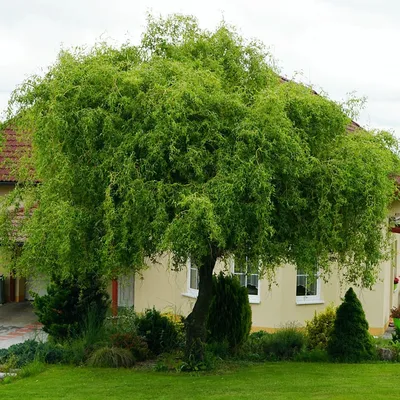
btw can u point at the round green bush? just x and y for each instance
(350, 340)
(160, 332)
(320, 328)
(132, 342)
(229, 318)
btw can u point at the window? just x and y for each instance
(248, 279)
(308, 289)
(192, 279)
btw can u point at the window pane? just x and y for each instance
(242, 279)
(194, 278)
(312, 288)
(306, 285)
(252, 284)
(301, 285)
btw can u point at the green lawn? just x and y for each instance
(265, 381)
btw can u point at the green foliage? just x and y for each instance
(111, 357)
(160, 332)
(319, 329)
(132, 342)
(314, 355)
(284, 344)
(396, 335)
(194, 365)
(229, 317)
(169, 362)
(72, 306)
(350, 340)
(34, 368)
(124, 322)
(20, 354)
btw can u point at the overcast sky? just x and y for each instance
(340, 46)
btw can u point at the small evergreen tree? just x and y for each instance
(69, 303)
(350, 340)
(229, 318)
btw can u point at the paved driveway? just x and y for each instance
(18, 323)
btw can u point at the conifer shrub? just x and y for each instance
(350, 340)
(229, 318)
(69, 304)
(320, 328)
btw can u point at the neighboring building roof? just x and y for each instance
(12, 149)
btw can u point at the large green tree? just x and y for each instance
(191, 143)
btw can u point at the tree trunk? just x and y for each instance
(196, 321)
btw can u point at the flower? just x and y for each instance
(395, 312)
(396, 280)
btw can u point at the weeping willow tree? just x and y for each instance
(190, 143)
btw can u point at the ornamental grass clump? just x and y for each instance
(111, 357)
(350, 340)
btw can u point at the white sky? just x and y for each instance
(340, 46)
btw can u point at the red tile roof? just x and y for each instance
(12, 149)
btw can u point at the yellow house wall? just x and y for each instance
(166, 290)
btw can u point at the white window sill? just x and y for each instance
(191, 295)
(254, 300)
(305, 301)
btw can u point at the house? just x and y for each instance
(293, 299)
(16, 289)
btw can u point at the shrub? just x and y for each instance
(111, 357)
(160, 332)
(284, 344)
(319, 329)
(76, 352)
(23, 353)
(350, 340)
(132, 342)
(229, 318)
(63, 311)
(396, 335)
(124, 322)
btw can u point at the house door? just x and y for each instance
(126, 288)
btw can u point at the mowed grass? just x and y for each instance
(264, 381)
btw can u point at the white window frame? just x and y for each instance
(253, 298)
(310, 299)
(190, 292)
